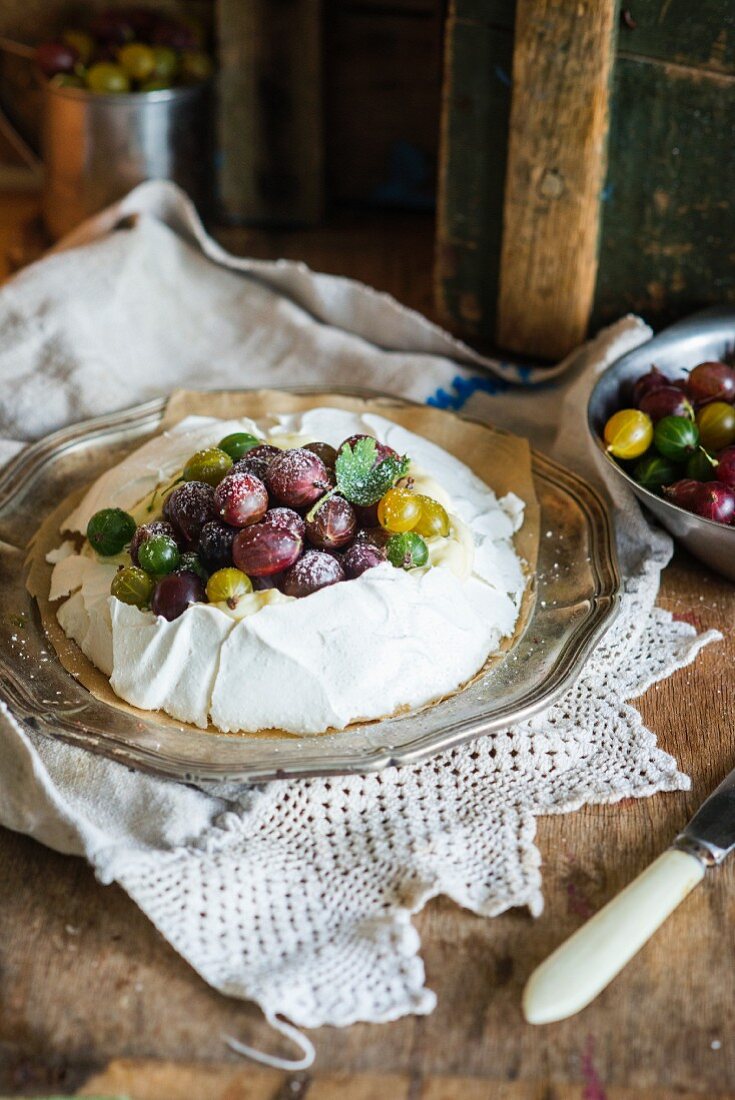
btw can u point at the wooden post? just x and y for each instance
(562, 63)
(270, 111)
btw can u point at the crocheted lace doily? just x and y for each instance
(300, 898)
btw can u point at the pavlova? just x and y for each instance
(298, 573)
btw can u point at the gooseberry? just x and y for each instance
(407, 550)
(263, 549)
(80, 41)
(433, 519)
(241, 499)
(228, 586)
(159, 555)
(286, 517)
(166, 64)
(112, 27)
(56, 57)
(105, 76)
(215, 544)
(700, 467)
(196, 65)
(653, 471)
(189, 507)
(332, 525)
(714, 501)
(189, 562)
(297, 478)
(647, 383)
(315, 570)
(360, 557)
(382, 450)
(676, 437)
(682, 492)
(147, 531)
(66, 80)
(175, 33)
(375, 536)
(399, 510)
(628, 433)
(238, 444)
(716, 423)
(325, 451)
(367, 515)
(711, 381)
(209, 465)
(110, 530)
(132, 586)
(138, 60)
(174, 593)
(666, 401)
(726, 467)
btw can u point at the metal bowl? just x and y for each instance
(705, 336)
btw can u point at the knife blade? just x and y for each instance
(588, 961)
(710, 835)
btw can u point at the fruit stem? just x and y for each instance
(322, 500)
(162, 490)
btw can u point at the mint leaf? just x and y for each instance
(354, 462)
(360, 479)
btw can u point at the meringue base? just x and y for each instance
(501, 460)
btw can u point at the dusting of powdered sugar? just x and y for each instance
(316, 569)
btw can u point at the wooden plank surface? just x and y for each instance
(93, 1001)
(269, 111)
(668, 223)
(382, 75)
(562, 61)
(147, 1080)
(700, 35)
(667, 209)
(474, 137)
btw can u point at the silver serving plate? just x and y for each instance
(577, 601)
(706, 335)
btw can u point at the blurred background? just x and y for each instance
(555, 163)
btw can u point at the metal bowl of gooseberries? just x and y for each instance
(677, 455)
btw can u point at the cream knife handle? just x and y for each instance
(581, 968)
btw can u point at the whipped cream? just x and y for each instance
(388, 641)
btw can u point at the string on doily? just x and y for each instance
(290, 1065)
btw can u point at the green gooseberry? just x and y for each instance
(676, 437)
(209, 465)
(110, 530)
(407, 550)
(159, 555)
(132, 586)
(653, 471)
(701, 467)
(238, 444)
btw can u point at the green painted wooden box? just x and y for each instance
(666, 214)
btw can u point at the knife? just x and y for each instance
(582, 966)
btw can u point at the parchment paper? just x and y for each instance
(501, 460)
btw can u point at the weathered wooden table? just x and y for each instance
(94, 1002)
